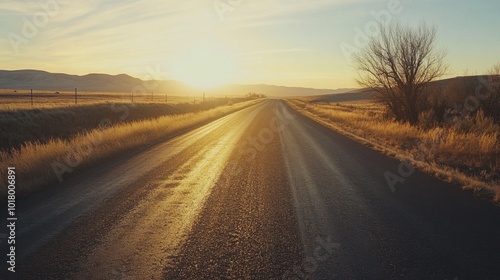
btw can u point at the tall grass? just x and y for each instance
(44, 99)
(468, 153)
(34, 161)
(22, 125)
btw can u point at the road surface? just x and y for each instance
(263, 193)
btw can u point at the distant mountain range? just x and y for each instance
(41, 80)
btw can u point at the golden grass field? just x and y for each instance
(34, 160)
(11, 99)
(23, 123)
(469, 157)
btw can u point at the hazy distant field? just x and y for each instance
(55, 116)
(21, 99)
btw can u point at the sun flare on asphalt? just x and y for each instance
(204, 67)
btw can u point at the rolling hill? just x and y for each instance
(468, 83)
(42, 80)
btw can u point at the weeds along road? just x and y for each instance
(262, 193)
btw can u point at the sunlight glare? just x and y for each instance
(204, 67)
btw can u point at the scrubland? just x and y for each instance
(21, 124)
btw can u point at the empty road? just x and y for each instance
(263, 193)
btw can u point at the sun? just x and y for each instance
(204, 67)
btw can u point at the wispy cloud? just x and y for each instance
(274, 51)
(266, 9)
(264, 37)
(10, 7)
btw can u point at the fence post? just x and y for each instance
(166, 97)
(76, 97)
(31, 96)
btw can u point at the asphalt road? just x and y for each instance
(263, 193)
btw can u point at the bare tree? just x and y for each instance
(495, 70)
(398, 64)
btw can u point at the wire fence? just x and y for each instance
(42, 98)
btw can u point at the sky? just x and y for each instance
(305, 43)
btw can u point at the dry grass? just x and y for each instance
(34, 161)
(21, 125)
(20, 99)
(470, 157)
